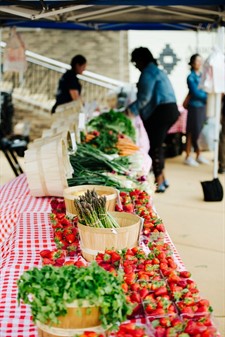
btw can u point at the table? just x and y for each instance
(24, 232)
(180, 125)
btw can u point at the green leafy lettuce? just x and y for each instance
(49, 289)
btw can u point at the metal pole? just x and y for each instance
(218, 98)
(0, 76)
(216, 136)
(197, 41)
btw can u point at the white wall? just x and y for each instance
(183, 43)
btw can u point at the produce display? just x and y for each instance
(163, 296)
(141, 290)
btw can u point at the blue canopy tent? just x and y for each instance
(113, 15)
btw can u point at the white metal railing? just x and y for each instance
(42, 76)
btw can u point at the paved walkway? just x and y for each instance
(197, 228)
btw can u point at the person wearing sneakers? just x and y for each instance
(196, 112)
(156, 105)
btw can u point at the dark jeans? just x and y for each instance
(157, 126)
(195, 121)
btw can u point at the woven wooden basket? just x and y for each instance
(74, 192)
(47, 167)
(94, 240)
(77, 320)
(67, 110)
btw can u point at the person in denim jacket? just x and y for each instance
(156, 105)
(196, 112)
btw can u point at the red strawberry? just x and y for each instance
(118, 209)
(161, 291)
(56, 254)
(69, 263)
(54, 204)
(79, 264)
(59, 262)
(128, 208)
(129, 269)
(135, 298)
(130, 278)
(125, 287)
(160, 331)
(46, 261)
(70, 238)
(45, 253)
(143, 293)
(66, 222)
(72, 248)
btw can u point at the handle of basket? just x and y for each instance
(118, 199)
(140, 230)
(113, 230)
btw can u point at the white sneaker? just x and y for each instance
(202, 160)
(191, 162)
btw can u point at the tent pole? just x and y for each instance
(0, 76)
(216, 136)
(197, 41)
(218, 98)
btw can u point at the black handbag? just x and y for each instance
(213, 190)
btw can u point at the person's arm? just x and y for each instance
(144, 95)
(195, 91)
(74, 94)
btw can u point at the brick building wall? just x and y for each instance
(106, 52)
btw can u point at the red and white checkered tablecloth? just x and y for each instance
(180, 125)
(27, 234)
(16, 199)
(19, 253)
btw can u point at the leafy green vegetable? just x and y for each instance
(112, 120)
(87, 157)
(49, 289)
(90, 165)
(87, 177)
(106, 141)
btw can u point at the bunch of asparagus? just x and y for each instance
(91, 211)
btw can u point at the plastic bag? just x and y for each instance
(213, 74)
(206, 138)
(14, 58)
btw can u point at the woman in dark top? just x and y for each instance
(196, 112)
(69, 87)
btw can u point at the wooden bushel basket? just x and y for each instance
(47, 167)
(94, 240)
(77, 320)
(74, 192)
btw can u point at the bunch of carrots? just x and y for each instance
(124, 145)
